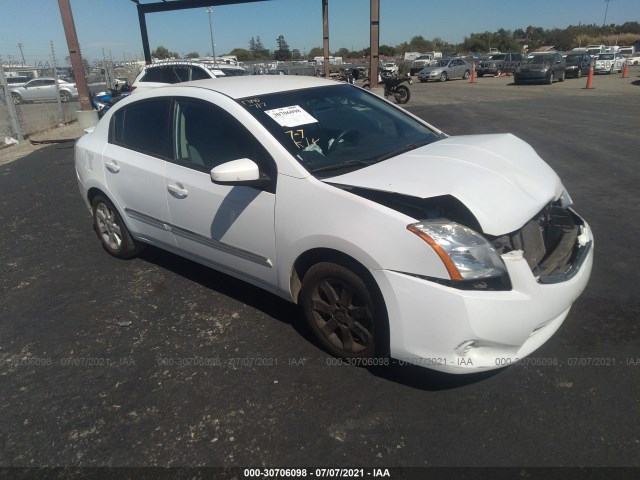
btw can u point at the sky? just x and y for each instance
(112, 25)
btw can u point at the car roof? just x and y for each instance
(253, 85)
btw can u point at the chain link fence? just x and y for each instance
(41, 105)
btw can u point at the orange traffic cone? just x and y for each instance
(590, 79)
(473, 74)
(625, 70)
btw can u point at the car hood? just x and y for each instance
(499, 178)
(431, 69)
(534, 67)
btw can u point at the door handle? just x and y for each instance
(112, 166)
(178, 190)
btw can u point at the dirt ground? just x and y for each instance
(9, 153)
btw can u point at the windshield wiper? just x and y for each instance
(340, 166)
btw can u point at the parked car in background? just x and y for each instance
(499, 63)
(170, 72)
(578, 64)
(388, 68)
(42, 89)
(14, 82)
(609, 63)
(541, 68)
(634, 59)
(419, 63)
(446, 69)
(462, 253)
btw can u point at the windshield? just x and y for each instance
(498, 57)
(573, 59)
(334, 129)
(539, 59)
(605, 56)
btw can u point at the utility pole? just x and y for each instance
(213, 45)
(74, 53)
(606, 9)
(21, 53)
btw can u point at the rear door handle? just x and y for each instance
(112, 166)
(178, 189)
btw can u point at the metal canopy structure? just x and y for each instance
(167, 6)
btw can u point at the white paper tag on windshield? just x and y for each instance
(292, 116)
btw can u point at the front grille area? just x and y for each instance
(548, 240)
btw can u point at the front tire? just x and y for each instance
(402, 94)
(341, 311)
(16, 98)
(443, 77)
(550, 79)
(466, 74)
(65, 97)
(112, 231)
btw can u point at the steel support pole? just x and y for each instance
(145, 35)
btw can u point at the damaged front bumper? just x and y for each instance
(463, 331)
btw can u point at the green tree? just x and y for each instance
(315, 52)
(192, 55)
(257, 49)
(163, 53)
(283, 52)
(242, 54)
(387, 51)
(419, 44)
(296, 54)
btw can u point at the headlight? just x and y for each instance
(466, 254)
(565, 200)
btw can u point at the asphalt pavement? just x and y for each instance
(158, 361)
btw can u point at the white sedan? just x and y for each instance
(399, 242)
(609, 63)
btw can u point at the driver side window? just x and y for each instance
(206, 136)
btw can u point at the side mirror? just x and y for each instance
(238, 172)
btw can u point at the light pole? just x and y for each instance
(213, 47)
(606, 9)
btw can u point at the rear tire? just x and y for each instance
(402, 94)
(112, 231)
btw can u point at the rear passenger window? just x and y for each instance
(143, 127)
(175, 74)
(152, 75)
(199, 74)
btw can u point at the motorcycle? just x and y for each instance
(393, 86)
(103, 101)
